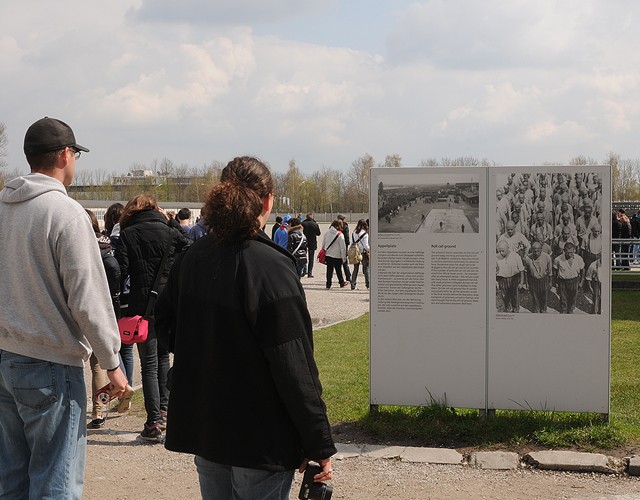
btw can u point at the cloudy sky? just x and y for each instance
(324, 81)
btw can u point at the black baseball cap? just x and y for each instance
(49, 134)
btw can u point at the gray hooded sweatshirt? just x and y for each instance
(55, 303)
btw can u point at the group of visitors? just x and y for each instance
(239, 342)
(624, 228)
(300, 238)
(549, 239)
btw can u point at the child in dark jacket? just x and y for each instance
(297, 245)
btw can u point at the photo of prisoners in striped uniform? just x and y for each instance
(549, 243)
(442, 203)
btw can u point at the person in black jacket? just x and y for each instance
(276, 226)
(616, 229)
(345, 233)
(311, 231)
(144, 239)
(245, 394)
(297, 245)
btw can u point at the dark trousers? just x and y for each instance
(334, 264)
(539, 288)
(354, 275)
(347, 271)
(154, 361)
(509, 291)
(568, 292)
(312, 253)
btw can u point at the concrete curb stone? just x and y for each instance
(574, 461)
(495, 460)
(634, 466)
(567, 461)
(432, 455)
(388, 452)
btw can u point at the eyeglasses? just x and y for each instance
(75, 152)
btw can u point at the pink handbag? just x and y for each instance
(133, 329)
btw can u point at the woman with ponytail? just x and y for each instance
(245, 395)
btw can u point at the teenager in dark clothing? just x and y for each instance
(616, 229)
(144, 239)
(245, 393)
(311, 231)
(297, 245)
(345, 233)
(276, 226)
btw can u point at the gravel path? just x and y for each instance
(120, 467)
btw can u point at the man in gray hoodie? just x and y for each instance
(56, 308)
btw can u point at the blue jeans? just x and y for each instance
(154, 361)
(237, 483)
(43, 435)
(126, 362)
(302, 269)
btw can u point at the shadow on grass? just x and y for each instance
(440, 426)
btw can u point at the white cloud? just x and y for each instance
(224, 12)
(515, 82)
(518, 33)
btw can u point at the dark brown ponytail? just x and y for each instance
(233, 206)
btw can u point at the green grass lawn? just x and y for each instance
(342, 354)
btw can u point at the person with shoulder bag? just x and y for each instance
(145, 252)
(335, 253)
(360, 241)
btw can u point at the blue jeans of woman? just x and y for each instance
(154, 362)
(238, 483)
(43, 435)
(126, 362)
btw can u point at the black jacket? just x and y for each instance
(139, 252)
(297, 244)
(311, 231)
(112, 269)
(345, 233)
(245, 388)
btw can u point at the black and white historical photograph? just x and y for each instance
(436, 203)
(549, 242)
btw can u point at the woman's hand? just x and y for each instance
(327, 470)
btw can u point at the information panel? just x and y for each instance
(488, 289)
(549, 326)
(428, 300)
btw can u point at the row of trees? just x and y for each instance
(326, 190)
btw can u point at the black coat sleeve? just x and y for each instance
(295, 373)
(112, 268)
(165, 312)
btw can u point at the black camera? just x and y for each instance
(310, 490)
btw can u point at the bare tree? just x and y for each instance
(393, 161)
(358, 177)
(460, 161)
(625, 177)
(582, 160)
